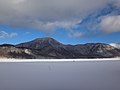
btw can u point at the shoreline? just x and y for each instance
(58, 60)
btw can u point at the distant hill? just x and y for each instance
(49, 48)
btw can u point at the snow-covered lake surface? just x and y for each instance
(101, 74)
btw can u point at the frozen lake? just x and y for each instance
(89, 75)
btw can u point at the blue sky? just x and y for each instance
(61, 35)
(68, 21)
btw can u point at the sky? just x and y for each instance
(68, 21)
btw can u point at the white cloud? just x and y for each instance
(47, 26)
(79, 34)
(54, 25)
(76, 34)
(12, 35)
(1, 37)
(46, 14)
(4, 34)
(27, 32)
(110, 24)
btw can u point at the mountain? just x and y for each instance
(52, 48)
(11, 51)
(49, 48)
(117, 45)
(40, 43)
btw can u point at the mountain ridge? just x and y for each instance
(49, 48)
(117, 45)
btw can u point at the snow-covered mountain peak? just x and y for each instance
(117, 45)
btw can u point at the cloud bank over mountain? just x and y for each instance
(48, 15)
